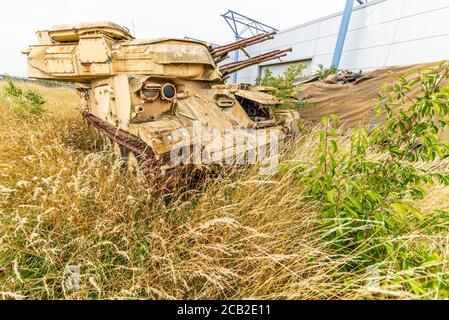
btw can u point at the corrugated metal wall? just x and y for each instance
(381, 33)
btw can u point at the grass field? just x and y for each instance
(64, 202)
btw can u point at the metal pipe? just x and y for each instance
(235, 44)
(250, 63)
(223, 52)
(236, 66)
(242, 42)
(235, 69)
(346, 18)
(256, 58)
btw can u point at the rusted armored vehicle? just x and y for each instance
(141, 94)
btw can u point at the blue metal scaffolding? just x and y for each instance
(242, 27)
(346, 18)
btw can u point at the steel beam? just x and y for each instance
(236, 59)
(346, 18)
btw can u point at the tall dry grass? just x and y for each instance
(64, 202)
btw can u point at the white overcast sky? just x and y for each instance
(201, 19)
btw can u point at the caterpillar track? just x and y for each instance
(128, 143)
(153, 167)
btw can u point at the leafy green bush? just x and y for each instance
(24, 101)
(11, 90)
(323, 73)
(286, 90)
(412, 132)
(367, 193)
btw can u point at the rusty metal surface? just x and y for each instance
(222, 52)
(129, 141)
(239, 65)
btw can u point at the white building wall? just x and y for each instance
(381, 33)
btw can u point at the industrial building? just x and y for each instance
(379, 33)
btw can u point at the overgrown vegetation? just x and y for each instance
(284, 84)
(323, 72)
(23, 102)
(356, 214)
(367, 192)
